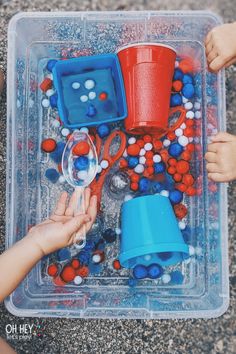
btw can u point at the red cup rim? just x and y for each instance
(145, 43)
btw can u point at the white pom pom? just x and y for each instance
(83, 98)
(56, 123)
(148, 146)
(104, 164)
(125, 153)
(197, 114)
(166, 142)
(188, 105)
(139, 168)
(183, 126)
(142, 152)
(99, 169)
(184, 99)
(78, 280)
(61, 179)
(178, 132)
(49, 92)
(166, 278)
(164, 193)
(89, 84)
(75, 85)
(65, 132)
(197, 105)
(131, 141)
(182, 225)
(183, 140)
(45, 103)
(190, 114)
(191, 250)
(156, 158)
(142, 160)
(92, 95)
(118, 231)
(84, 130)
(82, 175)
(176, 64)
(190, 139)
(96, 258)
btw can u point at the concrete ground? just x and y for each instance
(104, 336)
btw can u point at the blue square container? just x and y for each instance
(106, 72)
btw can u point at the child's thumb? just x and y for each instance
(75, 223)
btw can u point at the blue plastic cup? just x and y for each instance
(150, 233)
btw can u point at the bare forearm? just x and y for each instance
(16, 262)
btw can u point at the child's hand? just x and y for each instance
(220, 46)
(221, 158)
(60, 229)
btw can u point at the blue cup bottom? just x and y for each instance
(164, 255)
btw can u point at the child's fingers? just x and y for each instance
(208, 38)
(212, 55)
(211, 157)
(92, 212)
(61, 204)
(87, 196)
(212, 167)
(208, 47)
(217, 177)
(232, 61)
(74, 201)
(213, 147)
(73, 225)
(217, 64)
(221, 137)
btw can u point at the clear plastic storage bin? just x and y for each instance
(33, 39)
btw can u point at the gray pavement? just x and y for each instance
(136, 336)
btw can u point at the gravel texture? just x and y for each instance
(136, 336)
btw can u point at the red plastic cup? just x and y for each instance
(148, 70)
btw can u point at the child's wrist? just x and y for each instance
(30, 241)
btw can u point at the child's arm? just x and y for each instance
(55, 233)
(220, 46)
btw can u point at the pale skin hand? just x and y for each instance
(220, 44)
(221, 158)
(57, 232)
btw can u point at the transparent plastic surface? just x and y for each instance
(30, 197)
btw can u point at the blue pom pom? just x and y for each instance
(175, 150)
(103, 130)
(176, 277)
(186, 234)
(50, 64)
(63, 254)
(52, 175)
(159, 167)
(56, 155)
(140, 271)
(157, 187)
(133, 161)
(144, 184)
(175, 100)
(187, 79)
(91, 111)
(176, 196)
(178, 75)
(53, 100)
(109, 235)
(84, 257)
(81, 163)
(188, 91)
(89, 246)
(100, 245)
(154, 271)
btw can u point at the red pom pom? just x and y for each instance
(181, 187)
(140, 143)
(172, 162)
(189, 132)
(116, 264)
(190, 147)
(81, 148)
(188, 180)
(83, 271)
(133, 149)
(147, 138)
(150, 170)
(164, 155)
(52, 270)
(186, 155)
(182, 167)
(123, 163)
(149, 162)
(149, 155)
(75, 263)
(103, 96)
(134, 177)
(186, 65)
(177, 177)
(171, 136)
(157, 144)
(191, 191)
(189, 122)
(68, 274)
(177, 85)
(171, 170)
(48, 145)
(180, 211)
(134, 186)
(46, 84)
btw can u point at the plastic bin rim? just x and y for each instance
(145, 44)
